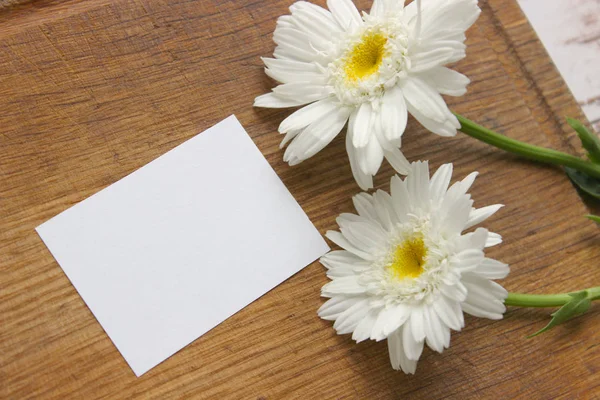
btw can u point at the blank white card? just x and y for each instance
(172, 250)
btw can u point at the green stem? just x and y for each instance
(546, 300)
(532, 152)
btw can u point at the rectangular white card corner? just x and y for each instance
(175, 248)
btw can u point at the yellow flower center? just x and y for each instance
(408, 259)
(365, 58)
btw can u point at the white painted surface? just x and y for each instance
(570, 31)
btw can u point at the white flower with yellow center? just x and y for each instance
(408, 272)
(369, 71)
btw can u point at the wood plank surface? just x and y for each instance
(92, 90)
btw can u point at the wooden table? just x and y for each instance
(92, 90)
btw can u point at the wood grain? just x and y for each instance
(92, 90)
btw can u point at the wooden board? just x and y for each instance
(92, 90)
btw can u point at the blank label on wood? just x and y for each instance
(172, 250)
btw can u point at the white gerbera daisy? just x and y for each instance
(369, 71)
(407, 272)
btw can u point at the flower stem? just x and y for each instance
(546, 300)
(532, 152)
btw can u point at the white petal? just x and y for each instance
(425, 59)
(290, 65)
(446, 335)
(455, 195)
(410, 13)
(340, 240)
(398, 358)
(481, 214)
(349, 319)
(285, 20)
(435, 43)
(466, 183)
(485, 298)
(492, 269)
(497, 290)
(343, 285)
(384, 207)
(367, 237)
(302, 91)
(293, 161)
(456, 292)
(480, 311)
(397, 161)
(363, 202)
(422, 97)
(314, 20)
(449, 312)
(291, 52)
(361, 129)
(446, 81)
(418, 184)
(317, 135)
(271, 100)
(364, 328)
(292, 39)
(289, 136)
(479, 238)
(458, 215)
(309, 78)
(342, 263)
(471, 241)
(345, 13)
(370, 156)
(377, 127)
(340, 258)
(413, 348)
(307, 115)
(435, 337)
(493, 239)
(467, 260)
(346, 220)
(382, 7)
(314, 10)
(332, 308)
(439, 182)
(394, 113)
(377, 8)
(340, 272)
(443, 34)
(397, 317)
(400, 198)
(442, 14)
(446, 128)
(484, 287)
(376, 332)
(365, 181)
(417, 324)
(452, 278)
(291, 34)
